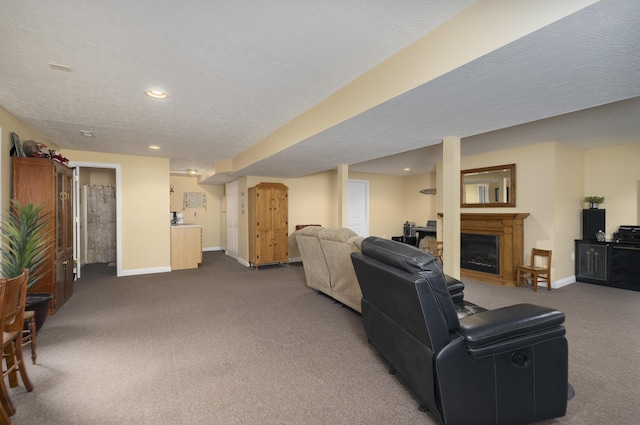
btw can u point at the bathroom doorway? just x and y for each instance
(98, 218)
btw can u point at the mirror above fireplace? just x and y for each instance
(488, 187)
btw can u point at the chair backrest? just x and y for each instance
(435, 247)
(407, 285)
(541, 258)
(13, 302)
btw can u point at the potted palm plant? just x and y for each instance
(25, 237)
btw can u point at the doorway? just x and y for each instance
(97, 211)
(359, 207)
(231, 193)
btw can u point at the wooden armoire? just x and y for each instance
(49, 183)
(268, 206)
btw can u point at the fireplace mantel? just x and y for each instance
(509, 228)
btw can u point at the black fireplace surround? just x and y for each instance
(480, 253)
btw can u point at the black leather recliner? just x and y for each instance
(504, 366)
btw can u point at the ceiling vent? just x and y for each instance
(428, 191)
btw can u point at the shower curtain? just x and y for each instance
(101, 224)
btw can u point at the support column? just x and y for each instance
(343, 195)
(451, 205)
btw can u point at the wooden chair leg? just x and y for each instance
(7, 405)
(4, 418)
(10, 360)
(28, 385)
(534, 281)
(32, 332)
(29, 337)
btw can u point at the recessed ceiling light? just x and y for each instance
(156, 94)
(154, 147)
(407, 169)
(192, 172)
(86, 133)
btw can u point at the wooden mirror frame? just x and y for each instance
(512, 187)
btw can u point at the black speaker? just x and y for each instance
(592, 220)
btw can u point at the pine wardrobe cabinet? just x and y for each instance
(268, 224)
(49, 183)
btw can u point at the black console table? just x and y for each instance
(615, 264)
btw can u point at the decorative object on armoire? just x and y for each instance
(33, 149)
(593, 201)
(268, 224)
(600, 237)
(53, 154)
(16, 149)
(49, 183)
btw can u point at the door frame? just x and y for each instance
(78, 165)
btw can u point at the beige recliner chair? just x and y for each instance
(337, 245)
(315, 266)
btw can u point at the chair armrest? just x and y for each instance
(510, 328)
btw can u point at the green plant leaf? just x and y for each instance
(26, 237)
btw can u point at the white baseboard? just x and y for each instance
(213, 248)
(243, 262)
(563, 282)
(135, 272)
(295, 260)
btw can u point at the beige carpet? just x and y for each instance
(225, 344)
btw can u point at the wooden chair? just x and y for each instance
(435, 248)
(29, 334)
(538, 271)
(11, 324)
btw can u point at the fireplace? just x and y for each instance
(506, 232)
(480, 253)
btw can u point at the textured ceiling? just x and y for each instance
(237, 71)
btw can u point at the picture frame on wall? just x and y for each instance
(195, 200)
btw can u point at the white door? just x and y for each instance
(231, 192)
(358, 212)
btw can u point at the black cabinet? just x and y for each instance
(613, 264)
(593, 220)
(625, 266)
(592, 262)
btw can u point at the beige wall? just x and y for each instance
(210, 218)
(536, 188)
(552, 180)
(569, 187)
(145, 209)
(615, 174)
(417, 206)
(386, 204)
(106, 176)
(9, 123)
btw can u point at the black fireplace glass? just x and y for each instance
(480, 253)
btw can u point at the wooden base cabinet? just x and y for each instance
(268, 209)
(48, 183)
(186, 246)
